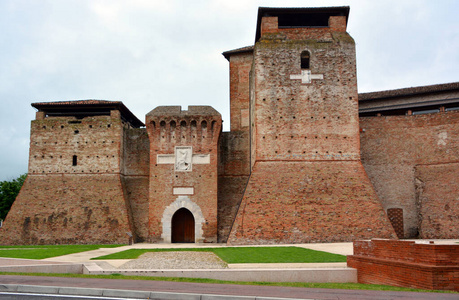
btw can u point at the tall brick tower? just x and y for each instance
(307, 181)
(183, 173)
(75, 192)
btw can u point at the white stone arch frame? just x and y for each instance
(182, 202)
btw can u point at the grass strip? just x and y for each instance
(238, 255)
(342, 286)
(47, 251)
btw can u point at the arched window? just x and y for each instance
(162, 130)
(305, 57)
(194, 129)
(183, 129)
(173, 126)
(204, 129)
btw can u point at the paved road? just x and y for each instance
(217, 289)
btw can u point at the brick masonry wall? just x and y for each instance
(136, 166)
(234, 170)
(68, 209)
(136, 160)
(293, 120)
(201, 130)
(307, 184)
(234, 157)
(234, 148)
(96, 142)
(412, 163)
(240, 65)
(437, 196)
(74, 192)
(137, 195)
(230, 193)
(300, 202)
(406, 264)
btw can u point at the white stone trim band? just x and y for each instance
(183, 191)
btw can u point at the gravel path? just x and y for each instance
(176, 260)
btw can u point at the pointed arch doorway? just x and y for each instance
(183, 226)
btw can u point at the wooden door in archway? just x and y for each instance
(182, 226)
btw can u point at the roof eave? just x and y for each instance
(79, 104)
(264, 10)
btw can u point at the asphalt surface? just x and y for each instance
(214, 289)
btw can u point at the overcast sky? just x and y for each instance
(165, 52)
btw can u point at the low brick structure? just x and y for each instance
(406, 264)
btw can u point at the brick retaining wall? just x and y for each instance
(406, 264)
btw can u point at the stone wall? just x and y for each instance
(406, 264)
(412, 163)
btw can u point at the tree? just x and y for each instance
(8, 193)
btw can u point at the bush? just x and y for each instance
(8, 193)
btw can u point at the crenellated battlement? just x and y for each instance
(171, 126)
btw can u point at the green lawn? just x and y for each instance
(236, 255)
(46, 251)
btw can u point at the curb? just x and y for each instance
(38, 289)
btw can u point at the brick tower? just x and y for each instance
(74, 192)
(307, 182)
(183, 173)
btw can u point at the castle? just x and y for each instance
(308, 159)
